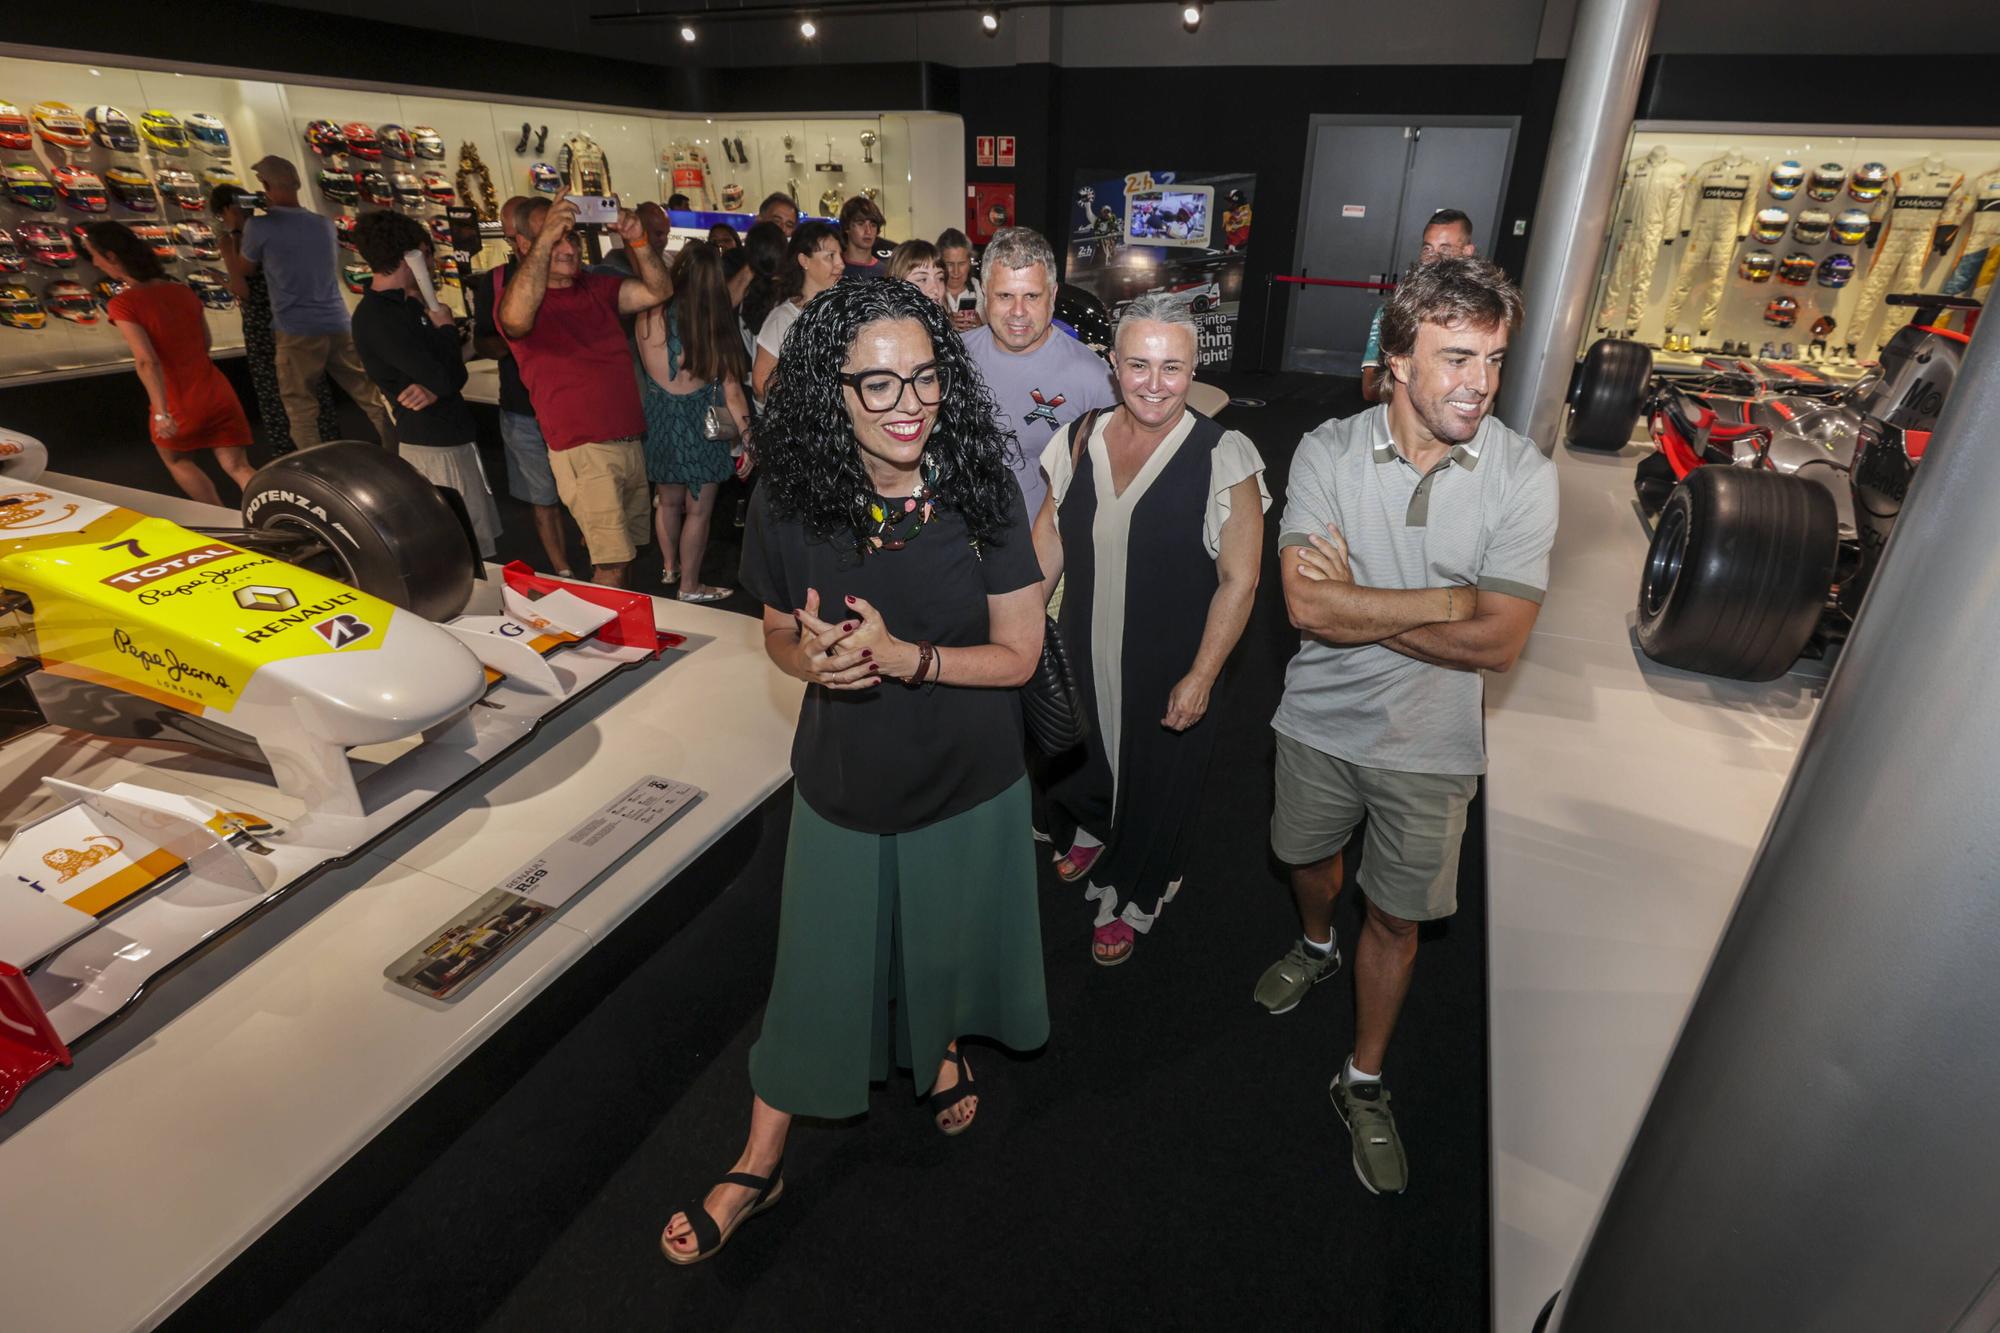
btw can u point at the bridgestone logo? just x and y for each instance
(283, 497)
(131, 580)
(339, 631)
(305, 615)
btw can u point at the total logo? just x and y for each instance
(137, 577)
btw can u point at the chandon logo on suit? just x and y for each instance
(1045, 408)
(1722, 192)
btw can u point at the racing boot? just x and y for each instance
(1788, 352)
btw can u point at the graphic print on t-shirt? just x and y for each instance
(1045, 409)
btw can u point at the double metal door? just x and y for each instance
(1369, 189)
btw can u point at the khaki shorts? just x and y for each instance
(1409, 857)
(603, 484)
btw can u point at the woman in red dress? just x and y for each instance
(162, 321)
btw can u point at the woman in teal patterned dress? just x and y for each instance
(691, 359)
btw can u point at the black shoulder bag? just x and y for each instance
(1057, 720)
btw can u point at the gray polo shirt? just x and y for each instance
(301, 260)
(1485, 516)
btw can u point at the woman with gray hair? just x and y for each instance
(1155, 515)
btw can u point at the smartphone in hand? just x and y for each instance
(595, 209)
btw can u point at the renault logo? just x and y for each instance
(264, 597)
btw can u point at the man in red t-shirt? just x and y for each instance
(563, 326)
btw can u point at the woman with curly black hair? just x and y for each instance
(890, 546)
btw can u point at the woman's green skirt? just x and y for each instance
(896, 945)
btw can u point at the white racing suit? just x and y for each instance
(1721, 199)
(1649, 208)
(1909, 213)
(1982, 232)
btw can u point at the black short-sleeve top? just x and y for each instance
(890, 758)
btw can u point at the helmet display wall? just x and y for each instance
(1708, 216)
(145, 146)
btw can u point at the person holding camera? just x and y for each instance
(296, 249)
(564, 326)
(413, 352)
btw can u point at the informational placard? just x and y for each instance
(506, 914)
(1183, 232)
(1003, 149)
(982, 154)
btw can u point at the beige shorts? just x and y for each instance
(603, 485)
(1409, 856)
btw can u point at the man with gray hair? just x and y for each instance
(1414, 550)
(300, 257)
(1041, 378)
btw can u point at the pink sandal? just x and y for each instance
(1118, 935)
(1075, 863)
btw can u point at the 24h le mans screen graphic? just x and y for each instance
(1185, 232)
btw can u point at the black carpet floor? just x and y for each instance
(1170, 1160)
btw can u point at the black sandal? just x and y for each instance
(940, 1102)
(708, 1238)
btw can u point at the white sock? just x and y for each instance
(1351, 1076)
(1084, 842)
(1321, 949)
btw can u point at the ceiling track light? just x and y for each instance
(687, 33)
(989, 21)
(1191, 17)
(808, 29)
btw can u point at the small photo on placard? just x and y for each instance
(467, 945)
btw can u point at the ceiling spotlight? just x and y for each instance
(989, 22)
(1191, 17)
(687, 33)
(808, 29)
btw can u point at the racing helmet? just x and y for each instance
(732, 198)
(214, 176)
(163, 132)
(409, 190)
(182, 190)
(339, 186)
(1811, 225)
(209, 133)
(356, 276)
(427, 143)
(1827, 178)
(1836, 270)
(112, 128)
(1796, 269)
(213, 288)
(1783, 311)
(1758, 266)
(28, 187)
(544, 178)
(11, 258)
(449, 272)
(361, 141)
(47, 245)
(1870, 180)
(199, 238)
(438, 190)
(1851, 227)
(59, 124)
(396, 143)
(1769, 225)
(19, 309)
(106, 288)
(375, 189)
(441, 230)
(81, 190)
(70, 300)
(157, 236)
(343, 231)
(132, 190)
(16, 135)
(323, 137)
(1786, 178)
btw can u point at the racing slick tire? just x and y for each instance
(388, 530)
(1738, 572)
(1607, 392)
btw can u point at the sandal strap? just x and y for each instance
(706, 1234)
(957, 1092)
(762, 1184)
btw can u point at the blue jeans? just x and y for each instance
(528, 475)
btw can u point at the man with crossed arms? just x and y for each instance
(1414, 551)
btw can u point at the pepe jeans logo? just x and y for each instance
(166, 663)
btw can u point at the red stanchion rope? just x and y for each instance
(1332, 282)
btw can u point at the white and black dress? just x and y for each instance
(1145, 560)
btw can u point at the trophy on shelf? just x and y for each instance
(874, 193)
(829, 202)
(831, 166)
(869, 139)
(791, 158)
(792, 188)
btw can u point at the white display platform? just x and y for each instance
(148, 1176)
(1624, 803)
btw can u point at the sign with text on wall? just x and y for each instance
(982, 154)
(1184, 232)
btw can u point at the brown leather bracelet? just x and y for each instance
(925, 655)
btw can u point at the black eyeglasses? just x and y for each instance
(881, 390)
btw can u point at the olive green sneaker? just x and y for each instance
(1378, 1149)
(1286, 981)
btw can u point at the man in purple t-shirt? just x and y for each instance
(563, 327)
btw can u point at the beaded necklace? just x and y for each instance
(888, 516)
